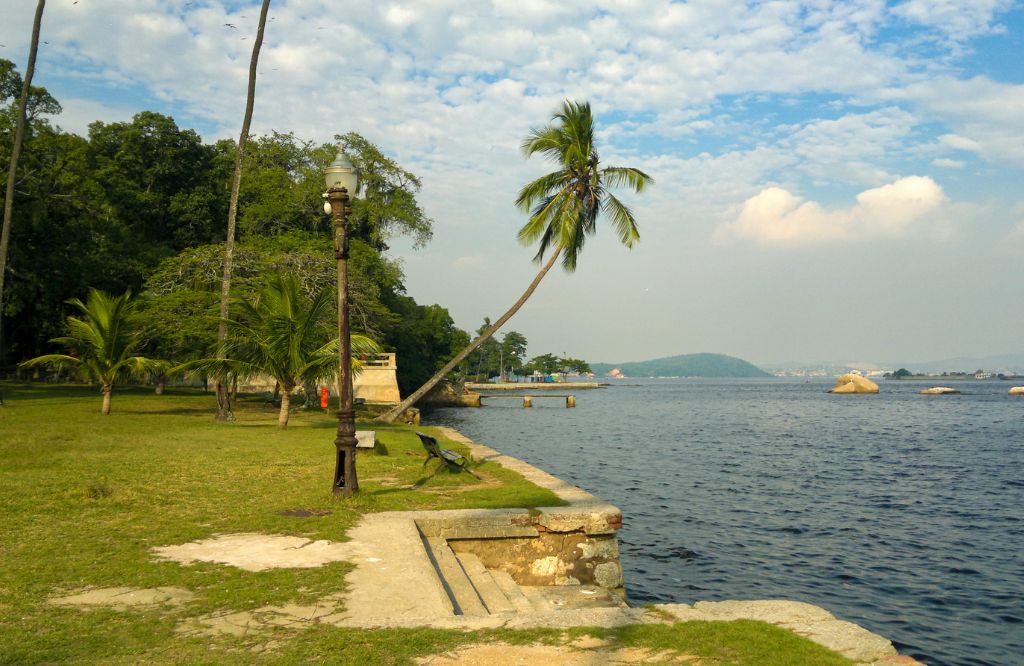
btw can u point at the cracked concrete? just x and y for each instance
(258, 552)
(125, 598)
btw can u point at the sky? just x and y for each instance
(833, 180)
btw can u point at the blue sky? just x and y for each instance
(835, 180)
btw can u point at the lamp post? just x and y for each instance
(342, 178)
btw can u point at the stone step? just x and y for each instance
(464, 597)
(492, 595)
(512, 591)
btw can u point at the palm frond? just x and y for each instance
(635, 179)
(52, 361)
(622, 220)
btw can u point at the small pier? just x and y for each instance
(570, 400)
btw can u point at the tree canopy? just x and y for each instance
(141, 205)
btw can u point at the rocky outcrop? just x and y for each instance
(1017, 390)
(940, 390)
(851, 383)
(449, 394)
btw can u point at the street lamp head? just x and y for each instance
(342, 173)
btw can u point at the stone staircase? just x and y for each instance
(476, 591)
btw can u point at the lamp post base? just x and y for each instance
(345, 480)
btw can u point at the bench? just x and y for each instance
(453, 460)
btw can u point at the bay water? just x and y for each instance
(901, 512)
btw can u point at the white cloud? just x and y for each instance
(983, 114)
(947, 163)
(777, 217)
(958, 20)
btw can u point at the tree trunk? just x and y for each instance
(286, 403)
(223, 402)
(395, 412)
(12, 171)
(159, 387)
(107, 390)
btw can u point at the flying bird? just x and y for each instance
(230, 25)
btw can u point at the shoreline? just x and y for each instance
(807, 620)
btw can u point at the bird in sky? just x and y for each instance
(230, 25)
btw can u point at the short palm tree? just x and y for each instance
(102, 343)
(284, 334)
(564, 206)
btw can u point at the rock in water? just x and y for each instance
(1017, 390)
(851, 383)
(940, 390)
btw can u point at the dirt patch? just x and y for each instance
(125, 598)
(502, 654)
(257, 552)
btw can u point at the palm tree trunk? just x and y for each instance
(19, 137)
(392, 414)
(107, 390)
(286, 403)
(223, 402)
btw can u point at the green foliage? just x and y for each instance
(160, 181)
(484, 362)
(545, 364)
(901, 373)
(282, 182)
(424, 337)
(387, 202)
(282, 333)
(40, 102)
(142, 205)
(564, 205)
(513, 351)
(102, 343)
(574, 365)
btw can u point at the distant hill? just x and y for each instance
(686, 365)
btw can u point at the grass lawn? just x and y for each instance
(85, 498)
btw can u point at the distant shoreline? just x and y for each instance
(955, 378)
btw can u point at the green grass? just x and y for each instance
(86, 497)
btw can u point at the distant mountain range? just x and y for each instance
(685, 365)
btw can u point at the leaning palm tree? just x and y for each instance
(282, 334)
(102, 343)
(564, 206)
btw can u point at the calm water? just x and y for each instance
(900, 512)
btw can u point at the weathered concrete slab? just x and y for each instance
(258, 552)
(125, 598)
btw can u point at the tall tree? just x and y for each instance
(513, 352)
(564, 206)
(103, 343)
(223, 403)
(12, 171)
